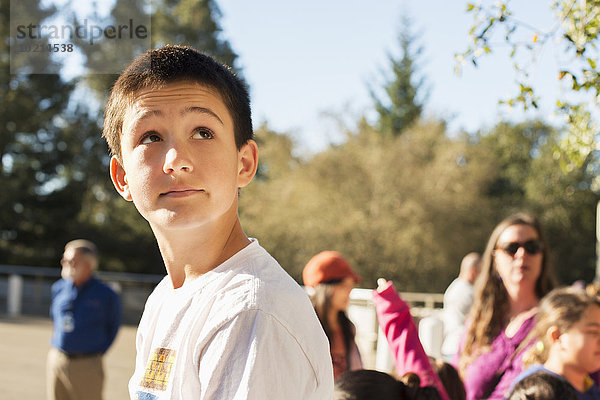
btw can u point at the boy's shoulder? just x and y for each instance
(257, 281)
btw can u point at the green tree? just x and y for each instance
(410, 207)
(575, 28)
(192, 23)
(402, 102)
(393, 206)
(40, 182)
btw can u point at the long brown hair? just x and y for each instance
(321, 301)
(490, 303)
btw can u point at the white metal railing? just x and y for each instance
(370, 339)
(26, 289)
(136, 287)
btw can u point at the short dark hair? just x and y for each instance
(366, 384)
(156, 68)
(543, 385)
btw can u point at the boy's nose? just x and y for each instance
(176, 160)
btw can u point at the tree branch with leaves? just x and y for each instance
(575, 28)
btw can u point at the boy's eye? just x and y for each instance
(203, 133)
(150, 137)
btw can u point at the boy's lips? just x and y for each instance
(181, 191)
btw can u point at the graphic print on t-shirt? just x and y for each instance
(158, 370)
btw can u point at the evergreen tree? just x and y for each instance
(401, 104)
(192, 23)
(41, 153)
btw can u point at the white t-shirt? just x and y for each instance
(245, 330)
(458, 299)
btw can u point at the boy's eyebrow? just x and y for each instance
(592, 325)
(148, 114)
(201, 110)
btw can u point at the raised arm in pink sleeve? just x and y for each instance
(403, 338)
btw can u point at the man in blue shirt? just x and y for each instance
(86, 314)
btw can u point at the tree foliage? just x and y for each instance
(404, 206)
(410, 207)
(36, 157)
(575, 32)
(401, 103)
(191, 23)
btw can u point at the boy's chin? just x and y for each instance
(167, 221)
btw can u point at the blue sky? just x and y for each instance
(306, 59)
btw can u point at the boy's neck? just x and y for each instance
(189, 254)
(572, 373)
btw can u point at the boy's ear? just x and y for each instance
(119, 178)
(247, 163)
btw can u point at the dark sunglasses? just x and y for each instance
(530, 246)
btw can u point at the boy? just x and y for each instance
(227, 322)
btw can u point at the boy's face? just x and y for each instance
(180, 165)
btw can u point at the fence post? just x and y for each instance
(431, 334)
(384, 359)
(15, 295)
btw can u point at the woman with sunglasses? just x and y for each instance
(515, 275)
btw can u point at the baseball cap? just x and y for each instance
(327, 266)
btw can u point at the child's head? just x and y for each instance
(330, 274)
(179, 127)
(366, 384)
(414, 390)
(567, 330)
(543, 385)
(170, 64)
